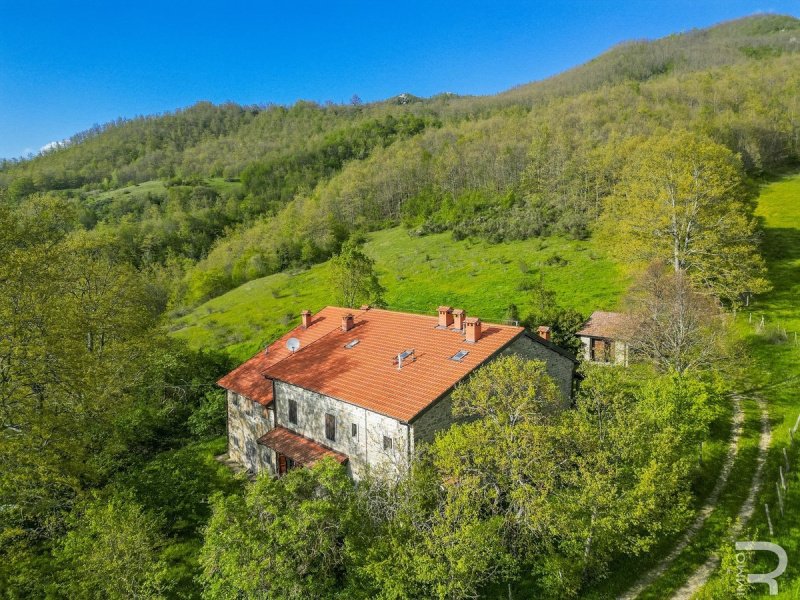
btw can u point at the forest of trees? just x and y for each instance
(107, 424)
(538, 160)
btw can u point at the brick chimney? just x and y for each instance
(458, 319)
(445, 317)
(347, 322)
(472, 329)
(305, 317)
(544, 332)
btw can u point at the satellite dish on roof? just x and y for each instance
(293, 344)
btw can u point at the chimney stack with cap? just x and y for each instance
(544, 332)
(445, 317)
(347, 322)
(458, 319)
(305, 317)
(472, 329)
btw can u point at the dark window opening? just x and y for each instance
(293, 412)
(330, 427)
(602, 350)
(387, 442)
(354, 430)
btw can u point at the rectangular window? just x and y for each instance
(387, 442)
(293, 412)
(354, 430)
(330, 427)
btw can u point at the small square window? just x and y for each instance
(387, 442)
(354, 430)
(293, 412)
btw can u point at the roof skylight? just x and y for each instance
(351, 344)
(459, 356)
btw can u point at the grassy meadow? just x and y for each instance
(419, 273)
(776, 352)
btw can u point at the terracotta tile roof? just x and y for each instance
(367, 375)
(297, 447)
(248, 378)
(603, 325)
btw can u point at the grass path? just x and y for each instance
(703, 513)
(702, 575)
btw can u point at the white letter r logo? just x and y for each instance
(768, 578)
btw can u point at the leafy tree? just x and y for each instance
(210, 418)
(545, 310)
(286, 538)
(673, 325)
(353, 277)
(112, 550)
(682, 199)
(429, 541)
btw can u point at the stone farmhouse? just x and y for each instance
(365, 386)
(600, 337)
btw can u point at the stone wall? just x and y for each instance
(559, 367)
(620, 352)
(248, 421)
(364, 449)
(436, 418)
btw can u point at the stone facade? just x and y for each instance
(364, 444)
(619, 353)
(248, 421)
(439, 416)
(559, 367)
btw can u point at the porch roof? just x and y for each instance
(297, 447)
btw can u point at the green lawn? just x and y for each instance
(775, 374)
(420, 273)
(778, 367)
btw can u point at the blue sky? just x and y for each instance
(65, 66)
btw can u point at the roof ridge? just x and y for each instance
(434, 318)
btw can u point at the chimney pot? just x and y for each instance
(458, 319)
(472, 329)
(347, 322)
(544, 332)
(445, 316)
(305, 317)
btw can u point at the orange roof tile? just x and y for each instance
(248, 378)
(297, 447)
(367, 375)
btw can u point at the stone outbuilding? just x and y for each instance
(601, 338)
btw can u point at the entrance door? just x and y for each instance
(285, 464)
(282, 466)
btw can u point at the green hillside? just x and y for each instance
(419, 274)
(538, 160)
